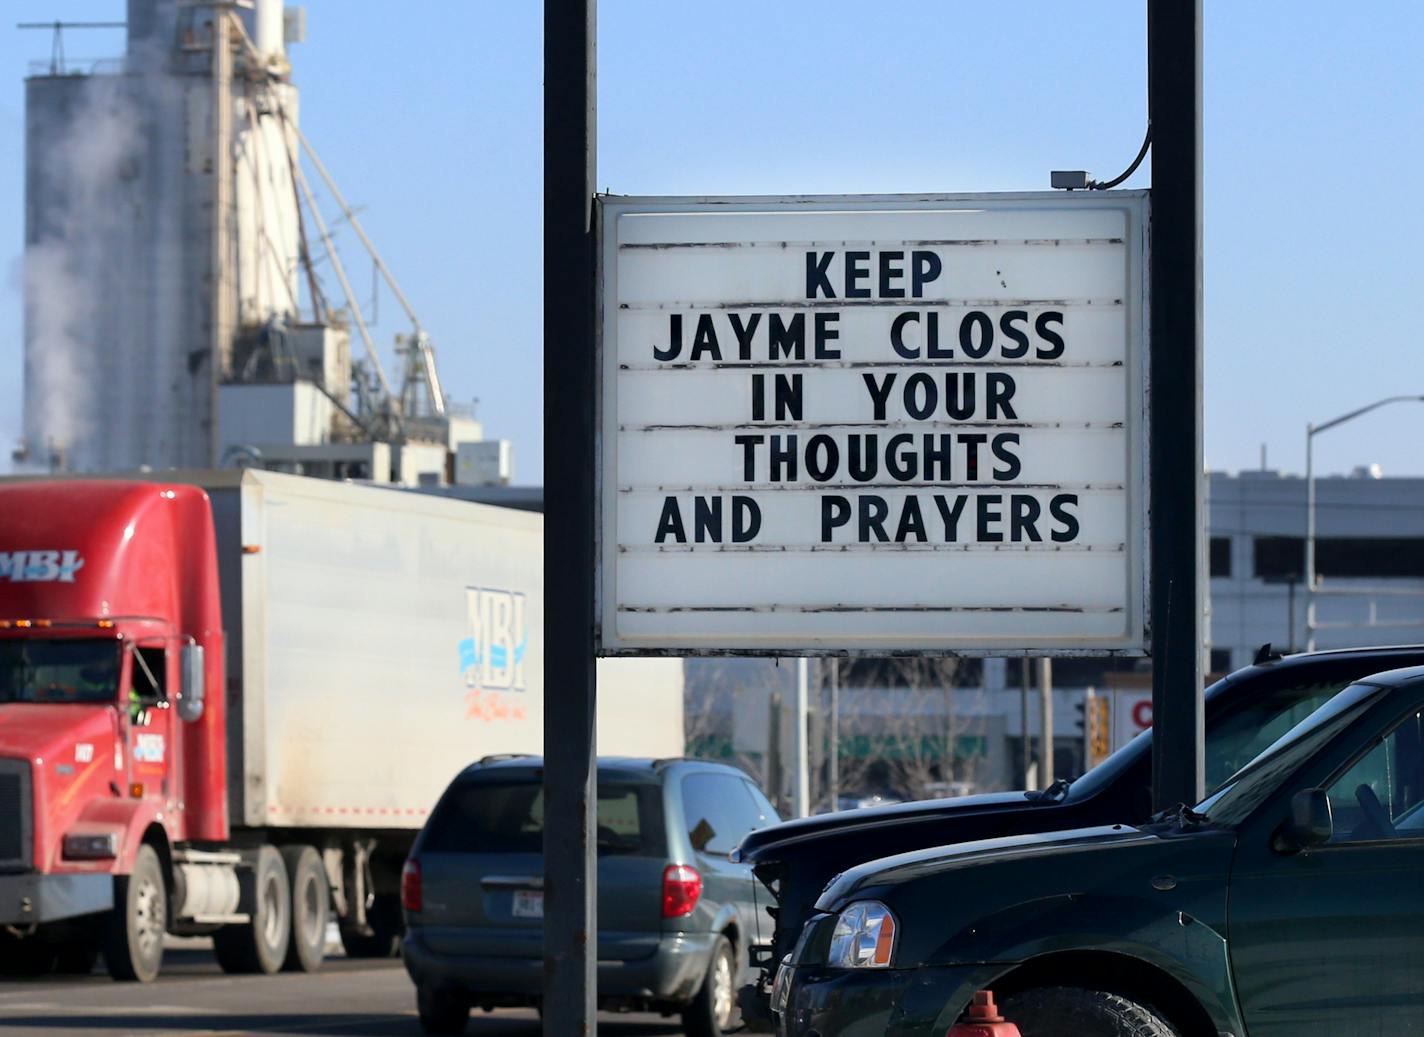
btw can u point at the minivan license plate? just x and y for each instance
(527, 904)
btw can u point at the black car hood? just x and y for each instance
(761, 845)
(907, 867)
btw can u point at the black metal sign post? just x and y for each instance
(570, 163)
(1174, 92)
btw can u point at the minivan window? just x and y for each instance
(719, 811)
(484, 816)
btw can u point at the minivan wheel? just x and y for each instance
(441, 1012)
(713, 1011)
(1074, 1012)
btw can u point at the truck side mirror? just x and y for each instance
(190, 701)
(1311, 822)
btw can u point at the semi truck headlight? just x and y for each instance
(864, 937)
(86, 847)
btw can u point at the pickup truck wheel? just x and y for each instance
(261, 944)
(383, 941)
(311, 907)
(133, 935)
(713, 1010)
(441, 1012)
(1075, 1012)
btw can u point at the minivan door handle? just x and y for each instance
(513, 881)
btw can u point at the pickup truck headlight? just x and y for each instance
(864, 937)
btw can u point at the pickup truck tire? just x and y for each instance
(259, 945)
(311, 908)
(383, 941)
(134, 929)
(713, 1011)
(1075, 1012)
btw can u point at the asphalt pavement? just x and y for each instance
(193, 996)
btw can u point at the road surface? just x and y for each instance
(193, 996)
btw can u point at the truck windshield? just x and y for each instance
(1254, 783)
(59, 670)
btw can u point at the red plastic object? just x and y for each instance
(983, 1020)
(412, 894)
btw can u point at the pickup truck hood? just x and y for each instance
(923, 864)
(764, 843)
(1113, 888)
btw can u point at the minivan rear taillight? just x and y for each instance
(682, 887)
(411, 898)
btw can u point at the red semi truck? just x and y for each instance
(228, 701)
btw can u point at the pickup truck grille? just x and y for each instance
(16, 804)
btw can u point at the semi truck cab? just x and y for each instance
(110, 635)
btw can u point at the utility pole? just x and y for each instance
(1174, 92)
(1026, 749)
(834, 762)
(1045, 738)
(570, 764)
(222, 301)
(801, 776)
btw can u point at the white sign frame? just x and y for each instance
(1135, 637)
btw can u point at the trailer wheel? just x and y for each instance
(1074, 1012)
(133, 934)
(384, 918)
(259, 945)
(311, 908)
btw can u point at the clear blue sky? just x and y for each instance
(429, 115)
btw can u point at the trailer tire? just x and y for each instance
(1076, 1012)
(259, 945)
(311, 908)
(134, 929)
(384, 918)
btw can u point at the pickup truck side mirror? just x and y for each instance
(1311, 822)
(190, 700)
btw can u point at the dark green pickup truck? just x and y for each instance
(1290, 902)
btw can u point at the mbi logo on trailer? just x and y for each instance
(492, 657)
(40, 566)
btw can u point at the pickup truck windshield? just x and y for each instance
(1253, 784)
(59, 670)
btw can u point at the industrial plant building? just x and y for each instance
(174, 312)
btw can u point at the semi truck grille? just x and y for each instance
(16, 837)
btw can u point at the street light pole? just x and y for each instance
(1311, 431)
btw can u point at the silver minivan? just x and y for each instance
(675, 915)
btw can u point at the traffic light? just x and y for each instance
(1094, 724)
